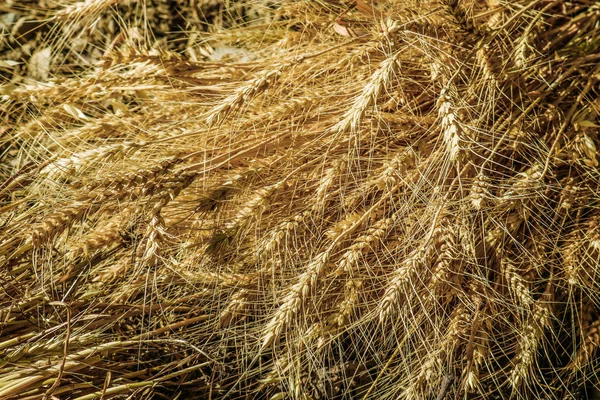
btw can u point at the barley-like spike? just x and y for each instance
(78, 162)
(155, 235)
(480, 191)
(234, 309)
(281, 234)
(451, 126)
(516, 284)
(254, 207)
(58, 222)
(369, 95)
(243, 95)
(529, 343)
(128, 180)
(370, 240)
(295, 299)
(401, 282)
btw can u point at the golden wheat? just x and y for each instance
(299, 199)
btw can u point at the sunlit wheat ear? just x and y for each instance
(400, 286)
(369, 95)
(280, 234)
(516, 284)
(346, 307)
(253, 208)
(85, 8)
(294, 300)
(457, 330)
(450, 123)
(326, 181)
(154, 237)
(592, 232)
(485, 64)
(126, 181)
(235, 308)
(58, 222)
(102, 237)
(367, 242)
(243, 95)
(446, 271)
(480, 191)
(78, 162)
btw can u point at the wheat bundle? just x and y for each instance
(300, 199)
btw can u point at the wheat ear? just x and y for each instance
(296, 297)
(589, 345)
(80, 161)
(84, 8)
(237, 304)
(369, 95)
(517, 286)
(243, 95)
(529, 344)
(400, 284)
(451, 127)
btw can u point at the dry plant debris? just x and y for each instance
(309, 199)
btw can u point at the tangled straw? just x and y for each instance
(304, 199)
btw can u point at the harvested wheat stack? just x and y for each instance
(301, 199)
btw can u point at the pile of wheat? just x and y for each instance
(305, 199)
